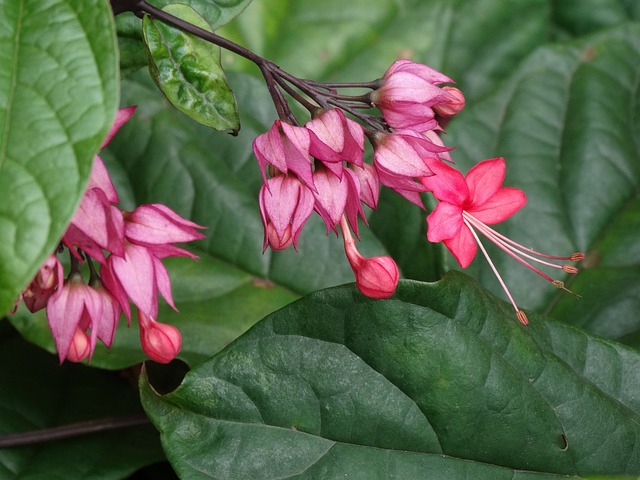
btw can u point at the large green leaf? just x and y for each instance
(36, 393)
(567, 124)
(187, 70)
(438, 375)
(57, 101)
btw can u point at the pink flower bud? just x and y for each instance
(377, 277)
(450, 107)
(79, 347)
(160, 341)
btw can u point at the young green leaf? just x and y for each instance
(187, 70)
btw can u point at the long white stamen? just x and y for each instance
(493, 267)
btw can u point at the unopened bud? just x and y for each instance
(160, 342)
(274, 241)
(377, 277)
(453, 106)
(79, 348)
(569, 269)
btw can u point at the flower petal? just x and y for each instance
(485, 179)
(504, 203)
(444, 222)
(447, 184)
(463, 246)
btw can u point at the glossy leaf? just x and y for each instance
(187, 70)
(437, 375)
(132, 57)
(567, 124)
(37, 393)
(57, 102)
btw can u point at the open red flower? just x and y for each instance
(479, 196)
(468, 205)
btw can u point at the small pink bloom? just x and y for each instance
(285, 206)
(97, 224)
(285, 147)
(44, 284)
(160, 342)
(376, 277)
(369, 184)
(73, 306)
(468, 205)
(334, 139)
(408, 94)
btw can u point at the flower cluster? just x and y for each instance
(129, 248)
(319, 167)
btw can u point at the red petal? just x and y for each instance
(444, 222)
(447, 184)
(463, 246)
(484, 180)
(504, 203)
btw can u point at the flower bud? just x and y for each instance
(377, 277)
(79, 347)
(161, 342)
(450, 107)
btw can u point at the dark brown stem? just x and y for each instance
(70, 431)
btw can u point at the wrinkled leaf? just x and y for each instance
(37, 393)
(57, 101)
(338, 383)
(187, 70)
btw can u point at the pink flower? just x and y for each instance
(160, 342)
(401, 158)
(376, 277)
(286, 148)
(471, 204)
(285, 206)
(80, 347)
(408, 94)
(74, 306)
(334, 139)
(330, 196)
(44, 284)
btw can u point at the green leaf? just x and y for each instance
(37, 393)
(438, 375)
(579, 17)
(567, 124)
(132, 50)
(187, 70)
(57, 101)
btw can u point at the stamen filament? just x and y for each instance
(519, 313)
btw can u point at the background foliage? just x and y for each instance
(551, 85)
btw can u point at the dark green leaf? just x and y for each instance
(36, 393)
(187, 69)
(338, 384)
(57, 101)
